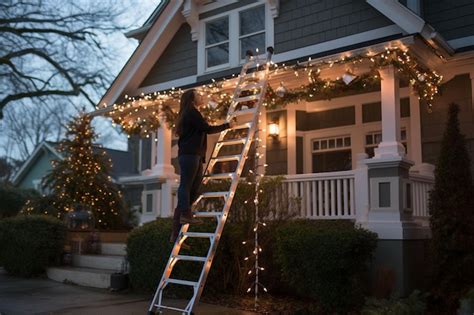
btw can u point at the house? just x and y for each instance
(364, 154)
(38, 164)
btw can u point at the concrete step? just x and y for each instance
(108, 262)
(114, 249)
(95, 278)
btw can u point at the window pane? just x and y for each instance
(332, 144)
(339, 142)
(347, 142)
(332, 161)
(324, 144)
(217, 31)
(149, 203)
(403, 135)
(217, 55)
(368, 139)
(252, 20)
(251, 43)
(378, 138)
(316, 145)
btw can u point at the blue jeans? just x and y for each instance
(188, 191)
(190, 180)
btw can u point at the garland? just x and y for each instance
(143, 115)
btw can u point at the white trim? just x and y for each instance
(338, 43)
(140, 63)
(234, 37)
(411, 23)
(461, 42)
(212, 6)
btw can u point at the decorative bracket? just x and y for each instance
(274, 6)
(190, 13)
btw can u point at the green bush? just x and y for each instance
(12, 199)
(321, 260)
(415, 304)
(325, 261)
(29, 244)
(148, 250)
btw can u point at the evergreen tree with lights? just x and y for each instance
(452, 216)
(82, 177)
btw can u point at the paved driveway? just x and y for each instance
(20, 296)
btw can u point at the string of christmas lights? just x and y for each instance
(139, 114)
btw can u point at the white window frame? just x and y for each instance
(327, 149)
(375, 145)
(234, 37)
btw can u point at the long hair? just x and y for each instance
(186, 103)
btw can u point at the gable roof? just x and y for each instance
(121, 160)
(162, 30)
(165, 21)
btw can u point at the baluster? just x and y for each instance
(351, 196)
(339, 197)
(320, 198)
(333, 197)
(326, 198)
(346, 196)
(313, 198)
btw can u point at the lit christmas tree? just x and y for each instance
(82, 177)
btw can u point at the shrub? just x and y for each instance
(325, 261)
(29, 244)
(12, 199)
(413, 305)
(148, 250)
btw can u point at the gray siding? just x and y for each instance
(305, 22)
(177, 61)
(146, 154)
(277, 149)
(325, 119)
(458, 90)
(453, 19)
(223, 9)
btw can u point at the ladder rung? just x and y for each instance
(232, 141)
(199, 234)
(170, 308)
(250, 86)
(215, 194)
(226, 158)
(182, 282)
(191, 258)
(207, 214)
(242, 126)
(246, 98)
(220, 176)
(244, 111)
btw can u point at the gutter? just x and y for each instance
(412, 23)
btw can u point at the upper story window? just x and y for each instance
(252, 30)
(217, 42)
(228, 36)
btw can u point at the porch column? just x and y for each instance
(291, 140)
(415, 129)
(390, 96)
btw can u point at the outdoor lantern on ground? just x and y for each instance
(80, 219)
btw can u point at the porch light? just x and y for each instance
(273, 129)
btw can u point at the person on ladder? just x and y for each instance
(192, 130)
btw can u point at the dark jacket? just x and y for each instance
(193, 139)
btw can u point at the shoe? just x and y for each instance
(189, 218)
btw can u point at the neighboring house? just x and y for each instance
(38, 164)
(362, 156)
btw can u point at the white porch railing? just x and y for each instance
(323, 195)
(420, 188)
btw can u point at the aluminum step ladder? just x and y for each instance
(249, 82)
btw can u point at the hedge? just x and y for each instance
(323, 261)
(29, 244)
(12, 199)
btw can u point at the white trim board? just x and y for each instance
(337, 43)
(461, 42)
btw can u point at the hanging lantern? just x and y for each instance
(348, 77)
